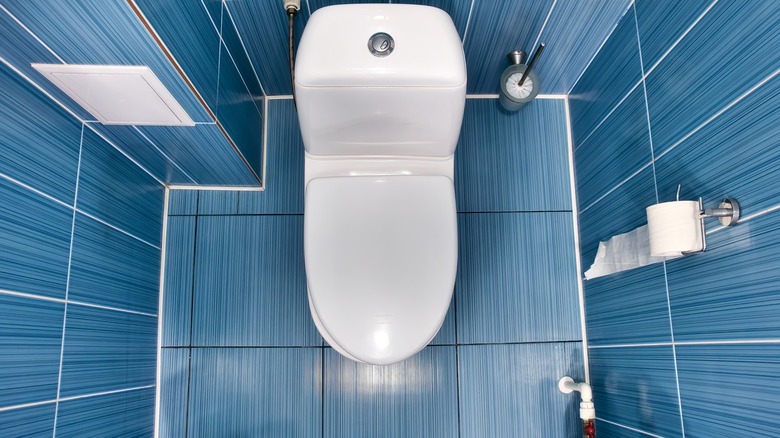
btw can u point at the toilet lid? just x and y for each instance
(381, 257)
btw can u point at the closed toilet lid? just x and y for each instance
(381, 257)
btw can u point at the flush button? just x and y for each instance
(381, 44)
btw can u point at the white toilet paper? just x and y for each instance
(674, 228)
(623, 252)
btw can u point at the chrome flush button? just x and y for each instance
(381, 44)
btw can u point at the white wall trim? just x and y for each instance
(73, 397)
(160, 304)
(216, 188)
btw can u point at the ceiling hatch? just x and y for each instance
(118, 95)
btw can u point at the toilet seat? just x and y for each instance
(381, 258)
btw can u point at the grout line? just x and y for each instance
(67, 280)
(629, 428)
(34, 190)
(691, 343)
(577, 252)
(459, 344)
(215, 188)
(160, 309)
(601, 47)
(31, 296)
(544, 25)
(164, 154)
(26, 405)
(468, 22)
(647, 107)
(266, 107)
(116, 228)
(457, 355)
(674, 351)
(32, 34)
(73, 397)
(133, 160)
(191, 321)
(69, 301)
(243, 46)
(115, 309)
(617, 105)
(646, 344)
(307, 7)
(219, 54)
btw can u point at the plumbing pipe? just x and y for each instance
(566, 385)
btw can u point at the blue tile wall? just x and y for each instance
(217, 202)
(80, 226)
(179, 261)
(256, 392)
(716, 134)
(182, 202)
(174, 390)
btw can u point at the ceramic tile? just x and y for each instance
(606, 429)
(736, 156)
(458, 10)
(110, 268)
(217, 202)
(662, 22)
(726, 292)
(115, 190)
(177, 292)
(284, 175)
(504, 295)
(512, 161)
(690, 85)
(174, 383)
(34, 242)
(111, 34)
(40, 141)
(316, 4)
(192, 37)
(511, 390)
(742, 376)
(636, 387)
(237, 54)
(263, 27)
(416, 397)
(446, 335)
(616, 150)
(37, 421)
(256, 392)
(496, 28)
(106, 350)
(128, 413)
(574, 33)
(609, 78)
(628, 307)
(182, 202)
(30, 340)
(245, 296)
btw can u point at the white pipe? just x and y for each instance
(566, 385)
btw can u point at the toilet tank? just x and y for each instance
(407, 101)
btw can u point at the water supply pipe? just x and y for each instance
(587, 412)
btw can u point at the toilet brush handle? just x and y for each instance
(531, 64)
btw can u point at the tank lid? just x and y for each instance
(389, 45)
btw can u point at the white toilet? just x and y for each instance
(380, 91)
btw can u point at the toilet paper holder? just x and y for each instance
(727, 212)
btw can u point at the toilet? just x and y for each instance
(380, 92)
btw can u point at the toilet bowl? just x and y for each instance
(380, 228)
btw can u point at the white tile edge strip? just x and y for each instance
(160, 303)
(73, 397)
(74, 302)
(685, 343)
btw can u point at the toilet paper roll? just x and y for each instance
(674, 228)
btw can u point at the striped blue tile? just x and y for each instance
(156, 157)
(34, 242)
(729, 387)
(611, 75)
(21, 49)
(203, 152)
(106, 350)
(497, 28)
(608, 430)
(616, 150)
(511, 390)
(114, 189)
(182, 202)
(192, 37)
(263, 27)
(636, 386)
(574, 33)
(37, 421)
(174, 382)
(240, 113)
(726, 292)
(316, 4)
(517, 279)
(662, 22)
(127, 414)
(736, 155)
(619, 212)
(512, 161)
(256, 392)
(250, 284)
(39, 141)
(284, 170)
(217, 202)
(457, 9)
(235, 51)
(113, 269)
(416, 397)
(30, 340)
(112, 34)
(177, 292)
(446, 335)
(628, 307)
(691, 85)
